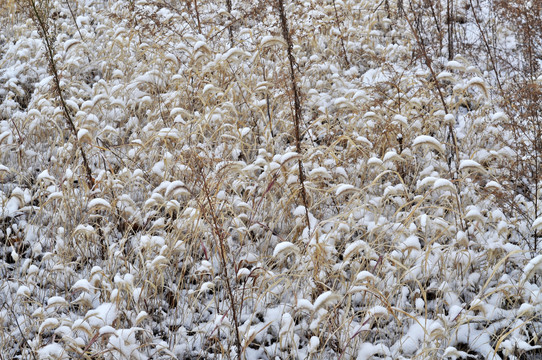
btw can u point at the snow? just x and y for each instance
(11, 207)
(470, 164)
(56, 301)
(82, 285)
(48, 323)
(123, 344)
(84, 135)
(493, 185)
(320, 172)
(367, 351)
(526, 310)
(285, 247)
(325, 299)
(104, 314)
(474, 214)
(429, 141)
(176, 188)
(412, 242)
(537, 224)
(391, 156)
(168, 133)
(270, 40)
(535, 265)
(373, 76)
(401, 119)
(23, 291)
(453, 353)
(443, 184)
(44, 175)
(157, 262)
(98, 204)
(288, 156)
(314, 343)
(353, 248)
(455, 65)
(374, 161)
(365, 276)
(299, 211)
(304, 304)
(478, 341)
(52, 351)
(199, 45)
(345, 189)
(244, 272)
(479, 83)
(107, 330)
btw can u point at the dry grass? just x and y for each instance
(375, 215)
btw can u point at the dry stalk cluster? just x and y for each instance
(337, 179)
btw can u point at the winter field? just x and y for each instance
(270, 179)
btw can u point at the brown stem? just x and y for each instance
(297, 104)
(74, 19)
(21, 331)
(428, 63)
(219, 233)
(450, 19)
(341, 32)
(38, 17)
(197, 15)
(230, 30)
(493, 62)
(268, 106)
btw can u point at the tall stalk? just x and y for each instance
(345, 54)
(210, 213)
(451, 130)
(230, 30)
(40, 19)
(450, 19)
(297, 104)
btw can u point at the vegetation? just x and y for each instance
(338, 179)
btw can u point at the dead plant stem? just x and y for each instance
(219, 233)
(38, 17)
(451, 130)
(297, 105)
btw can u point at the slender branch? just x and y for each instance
(297, 104)
(74, 19)
(428, 63)
(197, 15)
(219, 233)
(451, 22)
(42, 26)
(230, 29)
(341, 32)
(21, 331)
(493, 62)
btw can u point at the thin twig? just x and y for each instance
(20, 330)
(39, 19)
(451, 130)
(219, 233)
(297, 105)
